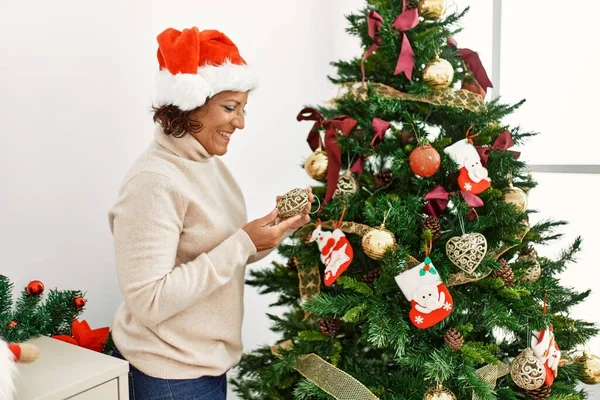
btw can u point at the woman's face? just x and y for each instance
(219, 117)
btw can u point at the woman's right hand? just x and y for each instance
(266, 233)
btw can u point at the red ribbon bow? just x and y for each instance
(343, 124)
(84, 336)
(438, 198)
(379, 128)
(405, 22)
(502, 143)
(374, 22)
(474, 65)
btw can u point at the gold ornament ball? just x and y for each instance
(432, 9)
(347, 185)
(590, 373)
(516, 196)
(438, 74)
(439, 393)
(527, 371)
(316, 165)
(377, 241)
(292, 203)
(534, 271)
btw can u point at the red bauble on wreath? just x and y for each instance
(35, 288)
(79, 303)
(424, 160)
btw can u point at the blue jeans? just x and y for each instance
(144, 387)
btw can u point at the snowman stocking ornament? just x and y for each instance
(336, 252)
(473, 177)
(430, 299)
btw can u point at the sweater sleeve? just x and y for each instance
(146, 222)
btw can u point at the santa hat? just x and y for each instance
(197, 65)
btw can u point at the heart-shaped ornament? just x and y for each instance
(467, 251)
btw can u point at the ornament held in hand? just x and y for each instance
(438, 74)
(292, 203)
(467, 251)
(424, 160)
(336, 252)
(430, 299)
(316, 165)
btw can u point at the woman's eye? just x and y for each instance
(230, 108)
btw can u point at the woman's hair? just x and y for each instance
(176, 122)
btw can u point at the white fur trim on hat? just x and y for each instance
(8, 372)
(188, 91)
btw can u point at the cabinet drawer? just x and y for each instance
(106, 391)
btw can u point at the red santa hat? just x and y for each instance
(197, 65)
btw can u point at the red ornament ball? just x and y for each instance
(12, 324)
(79, 303)
(424, 160)
(35, 288)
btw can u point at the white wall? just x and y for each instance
(76, 82)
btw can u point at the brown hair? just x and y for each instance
(176, 122)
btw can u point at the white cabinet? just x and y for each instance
(66, 371)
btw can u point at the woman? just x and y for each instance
(179, 226)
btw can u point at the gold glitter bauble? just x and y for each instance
(316, 165)
(516, 196)
(439, 393)
(292, 203)
(377, 241)
(432, 9)
(347, 185)
(590, 373)
(527, 371)
(534, 270)
(438, 74)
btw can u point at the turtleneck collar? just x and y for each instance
(185, 147)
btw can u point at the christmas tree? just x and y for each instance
(419, 276)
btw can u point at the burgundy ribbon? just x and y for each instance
(502, 143)
(405, 22)
(374, 22)
(438, 197)
(310, 114)
(474, 65)
(379, 127)
(345, 125)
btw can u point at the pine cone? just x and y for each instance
(292, 264)
(528, 251)
(506, 274)
(370, 276)
(433, 224)
(383, 178)
(406, 137)
(540, 394)
(454, 339)
(330, 327)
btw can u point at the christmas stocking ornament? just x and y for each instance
(546, 349)
(336, 252)
(430, 299)
(473, 177)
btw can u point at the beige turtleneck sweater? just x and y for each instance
(181, 257)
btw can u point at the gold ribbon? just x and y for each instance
(328, 378)
(454, 98)
(310, 281)
(491, 373)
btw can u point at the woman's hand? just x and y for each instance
(266, 233)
